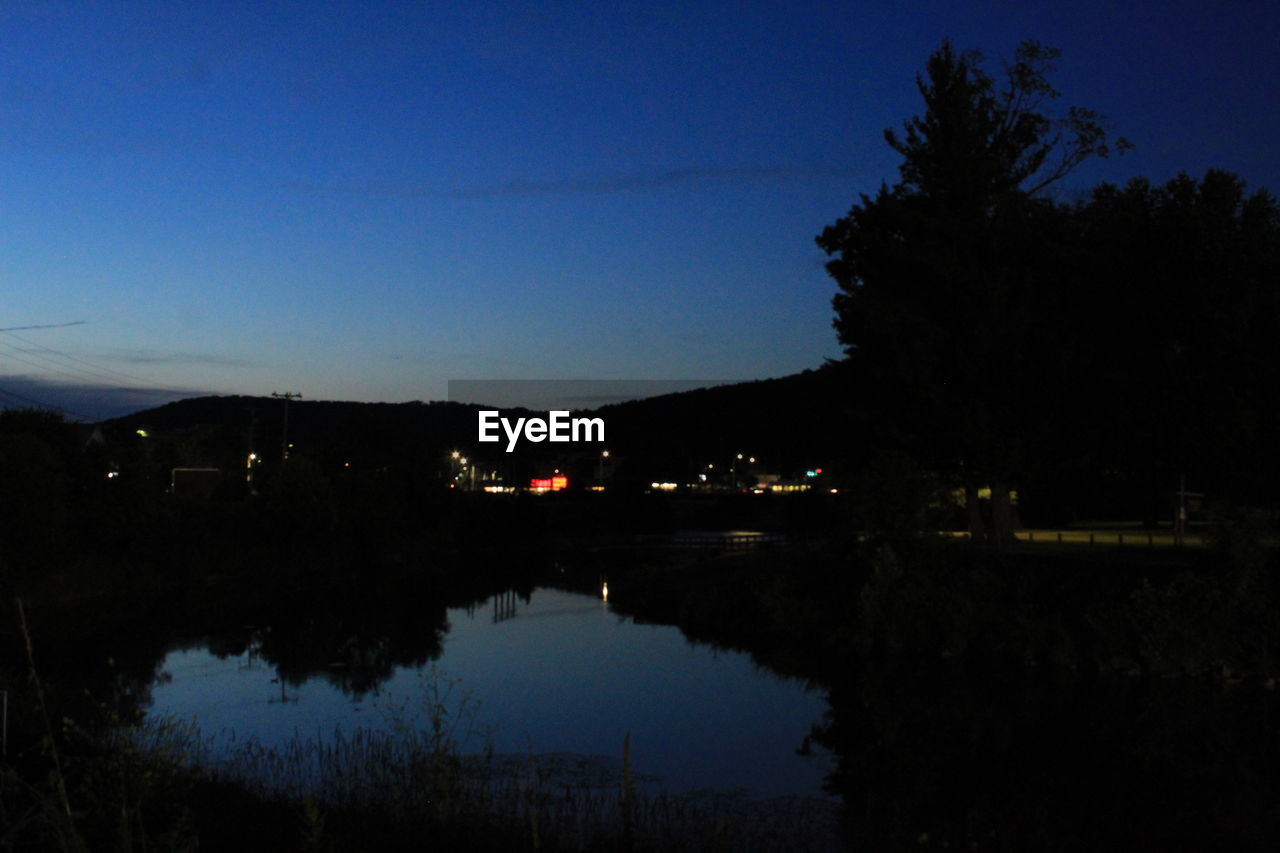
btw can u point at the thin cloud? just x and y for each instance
(588, 185)
(605, 184)
(186, 358)
(436, 357)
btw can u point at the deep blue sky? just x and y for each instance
(364, 200)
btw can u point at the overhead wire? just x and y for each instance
(44, 358)
(67, 362)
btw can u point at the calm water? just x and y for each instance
(556, 673)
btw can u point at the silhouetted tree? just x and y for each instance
(948, 280)
(1179, 300)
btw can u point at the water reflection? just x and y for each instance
(553, 672)
(504, 606)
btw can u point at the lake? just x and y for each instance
(553, 672)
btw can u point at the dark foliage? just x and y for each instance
(1089, 354)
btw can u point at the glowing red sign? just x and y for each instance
(550, 484)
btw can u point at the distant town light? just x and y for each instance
(549, 484)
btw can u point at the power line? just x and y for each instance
(74, 373)
(100, 371)
(65, 364)
(47, 365)
(70, 361)
(50, 326)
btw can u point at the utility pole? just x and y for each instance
(284, 433)
(1180, 523)
(253, 453)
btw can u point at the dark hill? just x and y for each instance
(788, 424)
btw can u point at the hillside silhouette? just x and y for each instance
(788, 424)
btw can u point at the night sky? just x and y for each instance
(365, 200)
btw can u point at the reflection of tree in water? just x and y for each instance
(110, 654)
(355, 641)
(356, 665)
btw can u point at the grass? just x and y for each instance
(440, 778)
(428, 773)
(552, 802)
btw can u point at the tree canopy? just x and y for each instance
(948, 280)
(1177, 294)
(978, 142)
(1003, 338)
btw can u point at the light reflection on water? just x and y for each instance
(557, 674)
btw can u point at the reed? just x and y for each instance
(442, 777)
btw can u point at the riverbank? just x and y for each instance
(976, 698)
(373, 794)
(808, 608)
(1040, 698)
